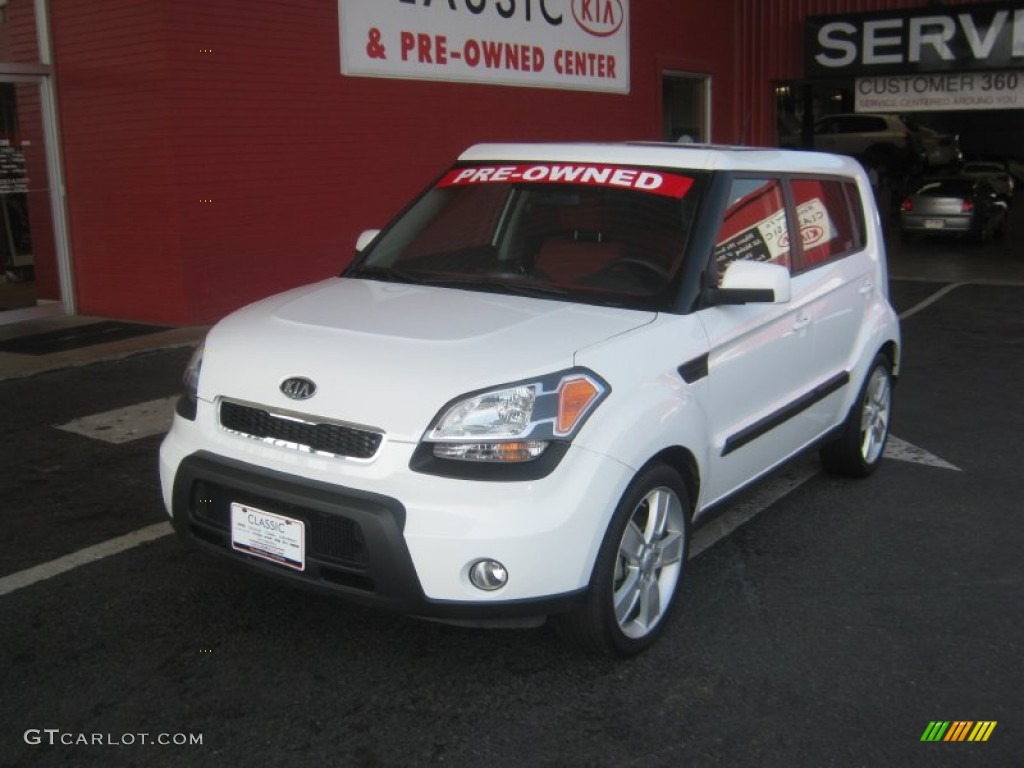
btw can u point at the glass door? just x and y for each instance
(32, 274)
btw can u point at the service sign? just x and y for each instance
(938, 38)
(571, 44)
(962, 91)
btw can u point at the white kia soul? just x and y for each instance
(524, 392)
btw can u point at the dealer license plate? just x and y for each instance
(934, 224)
(273, 537)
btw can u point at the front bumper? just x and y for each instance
(380, 534)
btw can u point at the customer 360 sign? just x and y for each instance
(575, 44)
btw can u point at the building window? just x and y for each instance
(685, 107)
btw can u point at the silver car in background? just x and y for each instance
(958, 205)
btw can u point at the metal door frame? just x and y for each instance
(42, 75)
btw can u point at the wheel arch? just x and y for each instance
(892, 351)
(683, 462)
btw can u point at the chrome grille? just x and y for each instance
(304, 433)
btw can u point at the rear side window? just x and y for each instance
(754, 227)
(873, 124)
(829, 229)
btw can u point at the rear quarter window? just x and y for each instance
(830, 218)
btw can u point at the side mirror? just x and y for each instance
(365, 238)
(753, 282)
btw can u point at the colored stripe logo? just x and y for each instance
(958, 730)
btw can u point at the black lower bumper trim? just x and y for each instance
(355, 546)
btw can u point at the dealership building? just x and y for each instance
(168, 162)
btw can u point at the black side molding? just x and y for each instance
(770, 422)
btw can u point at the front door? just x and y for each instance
(761, 355)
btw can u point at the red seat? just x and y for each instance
(580, 247)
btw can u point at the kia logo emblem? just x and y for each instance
(298, 388)
(600, 18)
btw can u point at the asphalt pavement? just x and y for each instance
(831, 628)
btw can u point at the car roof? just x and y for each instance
(950, 181)
(664, 155)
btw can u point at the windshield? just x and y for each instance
(947, 188)
(596, 234)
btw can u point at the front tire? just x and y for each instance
(639, 568)
(858, 450)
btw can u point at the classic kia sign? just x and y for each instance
(573, 44)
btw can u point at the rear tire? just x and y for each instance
(983, 233)
(858, 450)
(639, 568)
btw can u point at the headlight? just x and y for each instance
(190, 379)
(516, 423)
(188, 404)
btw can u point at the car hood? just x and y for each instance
(389, 356)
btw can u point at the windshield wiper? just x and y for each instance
(456, 281)
(512, 286)
(536, 291)
(391, 274)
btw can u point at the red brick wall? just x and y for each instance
(214, 153)
(114, 77)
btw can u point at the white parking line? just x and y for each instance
(122, 425)
(153, 417)
(85, 556)
(743, 510)
(931, 300)
(791, 477)
(901, 450)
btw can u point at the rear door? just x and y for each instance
(836, 270)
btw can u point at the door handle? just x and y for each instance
(866, 288)
(801, 322)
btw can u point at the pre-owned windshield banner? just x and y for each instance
(638, 179)
(574, 44)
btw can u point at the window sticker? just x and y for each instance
(766, 240)
(816, 227)
(617, 177)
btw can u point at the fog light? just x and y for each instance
(488, 575)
